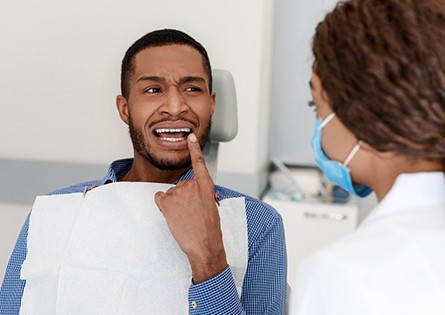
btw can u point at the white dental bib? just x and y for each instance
(110, 252)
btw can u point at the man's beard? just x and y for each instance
(142, 147)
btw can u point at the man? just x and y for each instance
(167, 102)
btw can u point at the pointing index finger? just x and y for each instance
(198, 162)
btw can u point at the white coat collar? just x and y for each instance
(411, 191)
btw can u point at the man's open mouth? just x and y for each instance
(172, 134)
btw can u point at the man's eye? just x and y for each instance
(153, 90)
(193, 89)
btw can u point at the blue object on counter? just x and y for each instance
(339, 195)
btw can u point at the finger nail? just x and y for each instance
(192, 138)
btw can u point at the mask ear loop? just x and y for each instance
(327, 119)
(353, 152)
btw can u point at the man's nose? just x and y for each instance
(174, 103)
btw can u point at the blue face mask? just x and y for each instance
(336, 172)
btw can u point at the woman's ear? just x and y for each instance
(122, 108)
(324, 96)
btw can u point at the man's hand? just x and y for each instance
(192, 217)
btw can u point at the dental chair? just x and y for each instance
(224, 120)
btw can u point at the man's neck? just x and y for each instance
(143, 171)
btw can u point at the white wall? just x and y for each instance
(291, 120)
(60, 63)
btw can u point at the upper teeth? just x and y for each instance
(163, 130)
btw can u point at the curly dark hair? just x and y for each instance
(382, 66)
(158, 38)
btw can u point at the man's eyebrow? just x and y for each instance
(311, 85)
(188, 79)
(182, 80)
(150, 78)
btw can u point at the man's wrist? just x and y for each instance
(208, 268)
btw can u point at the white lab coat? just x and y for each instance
(393, 264)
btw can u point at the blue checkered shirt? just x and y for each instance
(264, 287)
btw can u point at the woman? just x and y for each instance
(378, 86)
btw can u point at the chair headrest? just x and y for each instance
(225, 116)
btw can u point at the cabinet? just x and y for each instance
(311, 225)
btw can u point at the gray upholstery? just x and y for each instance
(225, 117)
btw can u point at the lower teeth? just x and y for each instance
(172, 139)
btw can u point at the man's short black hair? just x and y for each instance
(155, 39)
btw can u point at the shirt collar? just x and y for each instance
(409, 192)
(119, 168)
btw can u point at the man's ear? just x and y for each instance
(122, 108)
(213, 99)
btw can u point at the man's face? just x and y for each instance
(169, 98)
